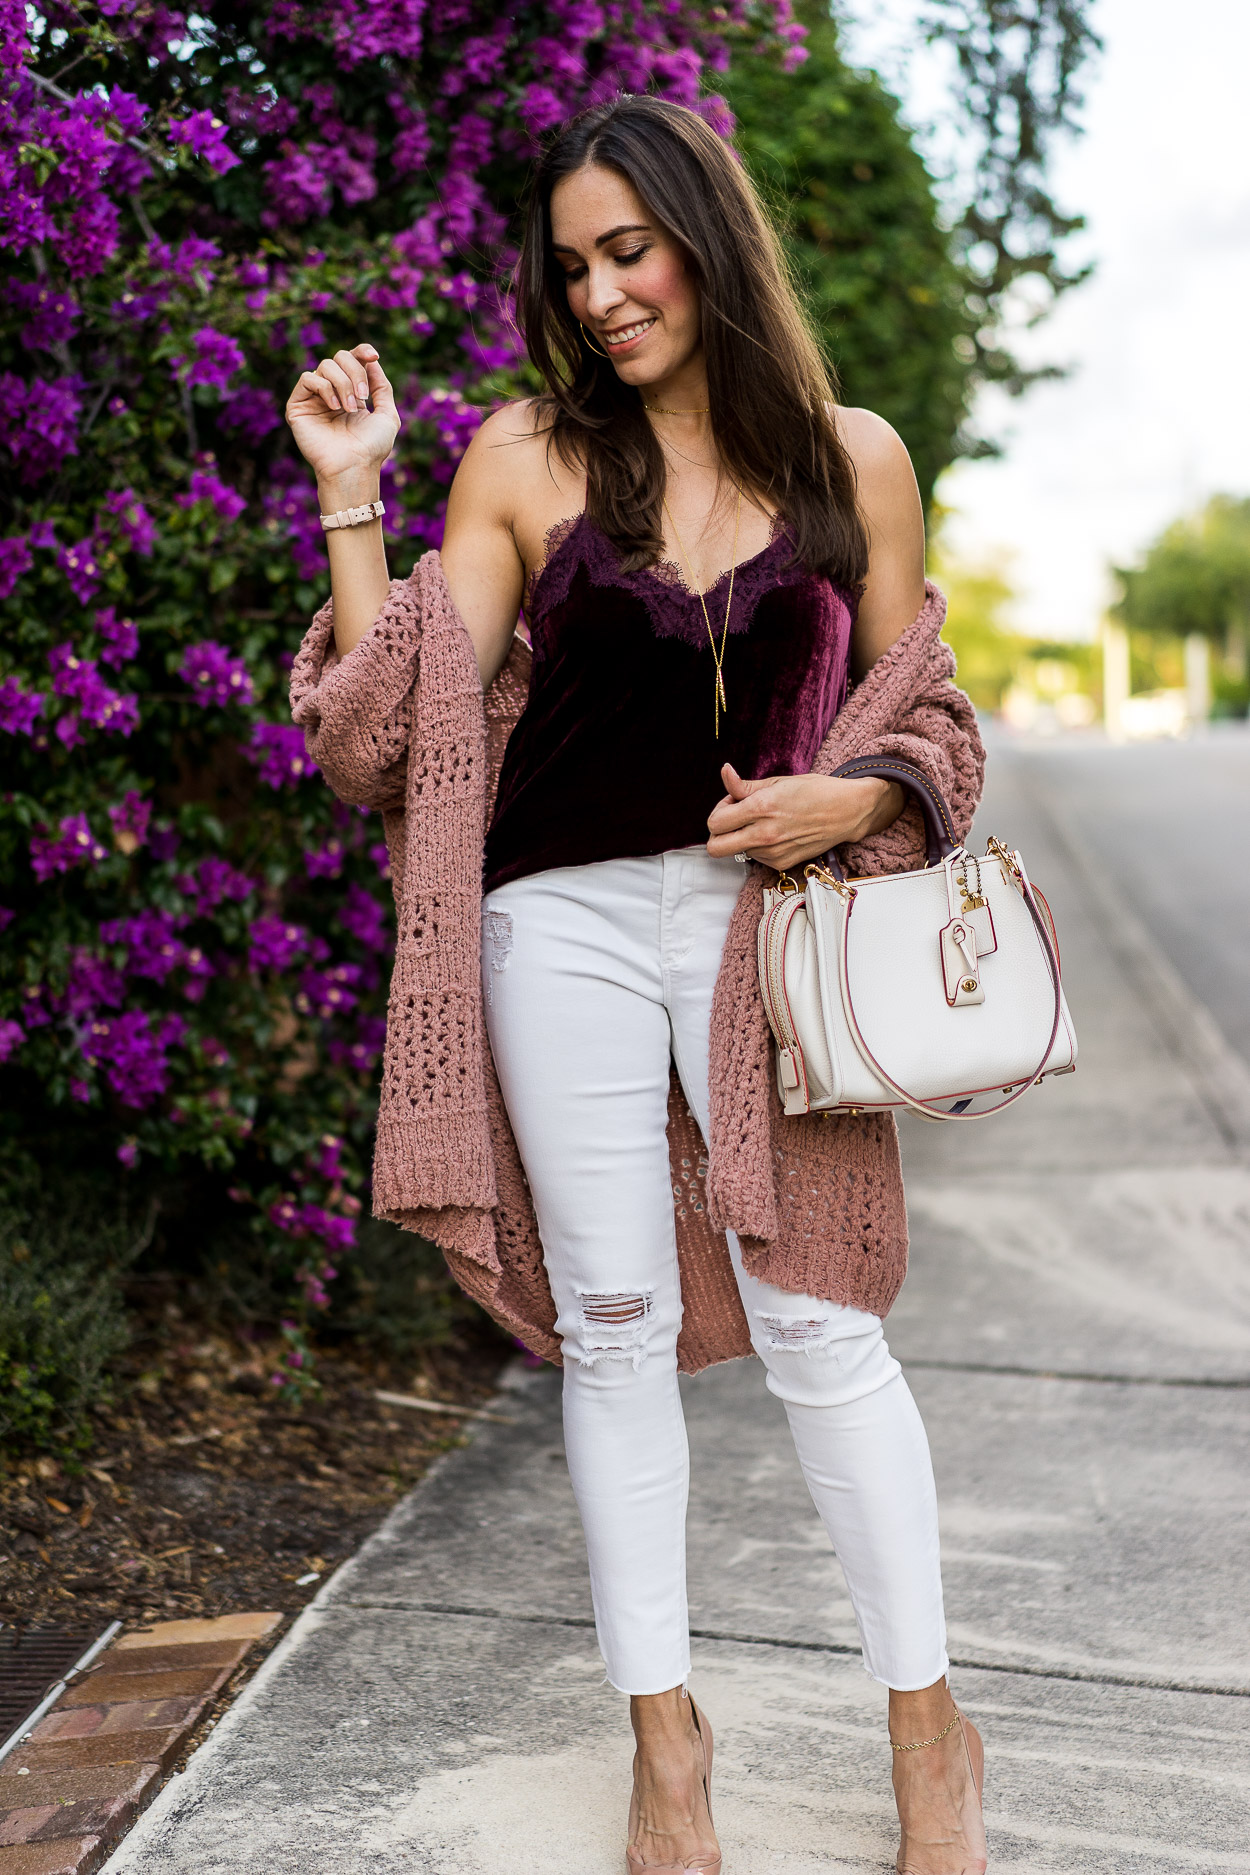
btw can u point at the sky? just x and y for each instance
(1155, 414)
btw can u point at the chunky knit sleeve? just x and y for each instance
(357, 712)
(909, 707)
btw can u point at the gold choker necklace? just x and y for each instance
(662, 410)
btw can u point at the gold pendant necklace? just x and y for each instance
(718, 656)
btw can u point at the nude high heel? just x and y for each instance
(974, 1751)
(703, 1865)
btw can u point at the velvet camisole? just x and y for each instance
(615, 754)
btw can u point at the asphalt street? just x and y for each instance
(1171, 823)
(1076, 1328)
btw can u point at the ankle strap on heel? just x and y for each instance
(922, 1743)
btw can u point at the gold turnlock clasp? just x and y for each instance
(785, 883)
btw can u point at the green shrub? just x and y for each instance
(63, 1320)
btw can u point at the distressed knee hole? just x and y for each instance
(802, 1334)
(614, 1323)
(496, 943)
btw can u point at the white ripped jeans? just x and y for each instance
(593, 976)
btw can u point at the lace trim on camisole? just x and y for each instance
(672, 605)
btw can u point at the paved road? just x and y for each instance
(1171, 822)
(1077, 1330)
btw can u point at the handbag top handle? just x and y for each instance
(939, 828)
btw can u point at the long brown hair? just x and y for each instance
(769, 389)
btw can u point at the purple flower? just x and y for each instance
(296, 185)
(120, 635)
(205, 486)
(364, 919)
(92, 985)
(214, 880)
(329, 1160)
(12, 1035)
(133, 519)
(19, 709)
(101, 706)
(198, 971)
(39, 421)
(43, 534)
(215, 359)
(77, 846)
(278, 751)
(274, 944)
(541, 109)
(214, 676)
(88, 237)
(340, 1234)
(6, 917)
(130, 817)
(163, 842)
(327, 993)
(205, 136)
(251, 410)
(151, 943)
(291, 510)
(54, 313)
(189, 260)
(81, 568)
(324, 862)
(128, 1153)
(412, 135)
(132, 1053)
(15, 559)
(364, 1053)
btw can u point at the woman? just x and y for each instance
(709, 554)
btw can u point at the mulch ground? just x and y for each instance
(203, 1495)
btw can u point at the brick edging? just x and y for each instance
(70, 1791)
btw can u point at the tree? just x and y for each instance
(1018, 69)
(909, 310)
(887, 297)
(1195, 579)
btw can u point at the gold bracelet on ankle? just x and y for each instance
(935, 1740)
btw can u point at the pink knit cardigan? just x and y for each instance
(818, 1204)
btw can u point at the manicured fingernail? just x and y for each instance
(351, 401)
(362, 391)
(334, 402)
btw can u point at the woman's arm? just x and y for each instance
(481, 559)
(346, 443)
(784, 820)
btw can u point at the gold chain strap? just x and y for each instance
(718, 656)
(937, 1738)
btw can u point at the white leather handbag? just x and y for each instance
(936, 990)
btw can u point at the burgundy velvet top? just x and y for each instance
(615, 754)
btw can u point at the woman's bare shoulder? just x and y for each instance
(874, 446)
(511, 462)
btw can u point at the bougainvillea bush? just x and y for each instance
(194, 208)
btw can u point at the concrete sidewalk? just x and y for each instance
(1076, 1329)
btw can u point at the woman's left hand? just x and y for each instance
(785, 819)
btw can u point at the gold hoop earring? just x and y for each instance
(586, 336)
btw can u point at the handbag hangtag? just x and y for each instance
(961, 968)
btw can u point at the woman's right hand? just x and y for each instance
(334, 430)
